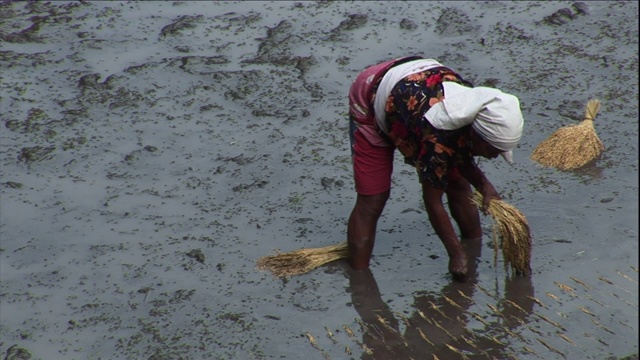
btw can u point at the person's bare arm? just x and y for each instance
(476, 177)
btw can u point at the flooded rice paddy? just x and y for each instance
(151, 152)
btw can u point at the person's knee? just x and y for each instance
(372, 205)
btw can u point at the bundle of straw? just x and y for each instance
(510, 233)
(302, 261)
(572, 146)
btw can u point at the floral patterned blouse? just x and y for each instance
(434, 153)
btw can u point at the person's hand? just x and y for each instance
(488, 193)
(458, 267)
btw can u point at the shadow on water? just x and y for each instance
(440, 323)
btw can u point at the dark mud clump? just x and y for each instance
(454, 22)
(182, 23)
(17, 353)
(564, 15)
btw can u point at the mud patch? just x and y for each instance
(152, 152)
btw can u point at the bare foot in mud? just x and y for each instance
(458, 267)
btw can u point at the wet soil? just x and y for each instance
(151, 152)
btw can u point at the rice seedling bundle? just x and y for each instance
(301, 261)
(572, 146)
(511, 234)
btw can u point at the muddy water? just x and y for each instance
(152, 151)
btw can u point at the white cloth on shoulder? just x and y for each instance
(390, 79)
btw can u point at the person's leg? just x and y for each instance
(372, 159)
(463, 210)
(441, 223)
(372, 168)
(361, 230)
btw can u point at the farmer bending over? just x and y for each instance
(439, 122)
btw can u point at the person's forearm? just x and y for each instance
(444, 229)
(474, 176)
(479, 181)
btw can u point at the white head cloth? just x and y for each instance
(493, 114)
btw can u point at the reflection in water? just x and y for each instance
(439, 326)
